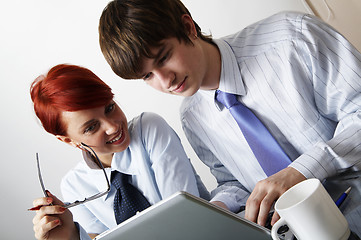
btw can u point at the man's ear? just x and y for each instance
(189, 26)
(68, 141)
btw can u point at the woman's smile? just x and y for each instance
(118, 139)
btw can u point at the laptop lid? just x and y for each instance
(184, 216)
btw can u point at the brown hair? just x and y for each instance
(129, 28)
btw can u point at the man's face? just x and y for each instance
(178, 68)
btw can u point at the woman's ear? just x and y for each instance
(189, 26)
(68, 141)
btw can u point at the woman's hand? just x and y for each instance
(267, 191)
(53, 221)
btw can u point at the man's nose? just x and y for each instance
(165, 77)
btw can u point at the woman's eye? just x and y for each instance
(110, 108)
(90, 128)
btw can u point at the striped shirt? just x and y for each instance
(302, 79)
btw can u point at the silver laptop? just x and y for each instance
(184, 216)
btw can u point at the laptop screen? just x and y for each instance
(184, 216)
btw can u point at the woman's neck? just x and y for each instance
(106, 160)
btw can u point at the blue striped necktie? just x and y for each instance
(268, 152)
(128, 199)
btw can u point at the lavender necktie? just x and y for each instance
(269, 154)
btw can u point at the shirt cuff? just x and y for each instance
(83, 235)
(315, 163)
(228, 200)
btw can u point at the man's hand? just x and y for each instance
(267, 192)
(220, 204)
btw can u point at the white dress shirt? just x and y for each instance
(302, 79)
(156, 161)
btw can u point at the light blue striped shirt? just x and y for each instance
(156, 161)
(303, 81)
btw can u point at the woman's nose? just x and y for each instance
(111, 127)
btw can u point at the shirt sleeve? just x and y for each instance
(229, 190)
(83, 235)
(81, 213)
(335, 69)
(172, 168)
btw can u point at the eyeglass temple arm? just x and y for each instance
(69, 205)
(76, 203)
(100, 163)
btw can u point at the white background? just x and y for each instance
(38, 34)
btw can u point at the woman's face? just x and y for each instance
(105, 129)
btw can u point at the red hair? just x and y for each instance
(66, 88)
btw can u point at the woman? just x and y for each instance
(73, 104)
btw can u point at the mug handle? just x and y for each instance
(275, 228)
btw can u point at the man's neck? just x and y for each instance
(213, 58)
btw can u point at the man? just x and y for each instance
(296, 74)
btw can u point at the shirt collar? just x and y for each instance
(124, 163)
(97, 175)
(230, 80)
(120, 163)
(89, 160)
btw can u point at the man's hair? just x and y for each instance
(66, 88)
(128, 29)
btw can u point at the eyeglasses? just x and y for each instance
(98, 195)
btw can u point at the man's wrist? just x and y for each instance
(220, 204)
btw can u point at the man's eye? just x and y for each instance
(109, 108)
(147, 76)
(163, 59)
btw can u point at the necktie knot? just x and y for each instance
(118, 179)
(227, 99)
(266, 149)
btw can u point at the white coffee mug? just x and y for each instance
(310, 213)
